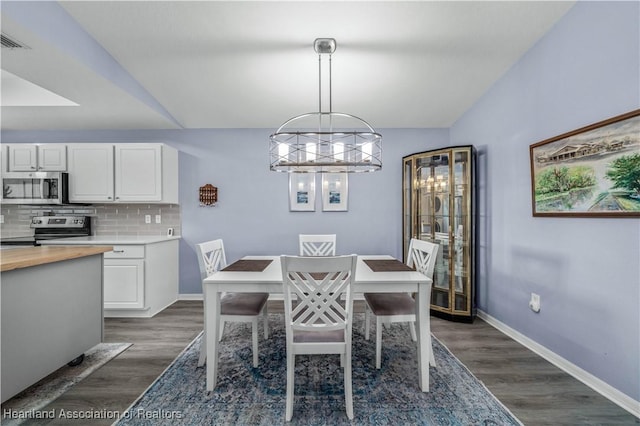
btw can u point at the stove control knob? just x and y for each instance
(37, 221)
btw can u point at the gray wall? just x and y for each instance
(585, 269)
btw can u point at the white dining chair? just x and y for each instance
(391, 308)
(317, 244)
(234, 307)
(317, 320)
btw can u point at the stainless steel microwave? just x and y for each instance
(35, 188)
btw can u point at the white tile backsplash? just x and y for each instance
(107, 219)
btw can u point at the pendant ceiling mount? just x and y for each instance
(324, 45)
(325, 142)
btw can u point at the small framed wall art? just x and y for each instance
(335, 192)
(302, 192)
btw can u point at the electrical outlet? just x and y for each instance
(147, 218)
(158, 219)
(534, 302)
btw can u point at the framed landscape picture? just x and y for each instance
(335, 192)
(591, 171)
(302, 192)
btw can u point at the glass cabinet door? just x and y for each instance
(460, 230)
(407, 211)
(438, 207)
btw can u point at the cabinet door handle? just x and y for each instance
(118, 251)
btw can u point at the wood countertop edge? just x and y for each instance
(34, 256)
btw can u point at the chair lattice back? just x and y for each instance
(211, 257)
(422, 256)
(317, 245)
(318, 284)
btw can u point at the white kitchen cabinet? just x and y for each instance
(140, 280)
(123, 283)
(138, 172)
(91, 171)
(123, 173)
(32, 157)
(141, 273)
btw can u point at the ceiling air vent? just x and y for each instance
(11, 43)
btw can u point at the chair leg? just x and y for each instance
(203, 345)
(378, 342)
(348, 391)
(367, 322)
(265, 321)
(412, 329)
(432, 358)
(221, 330)
(203, 349)
(254, 337)
(291, 361)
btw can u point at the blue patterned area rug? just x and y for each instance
(256, 396)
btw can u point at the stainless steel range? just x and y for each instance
(52, 227)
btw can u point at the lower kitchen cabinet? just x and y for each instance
(123, 283)
(140, 274)
(140, 280)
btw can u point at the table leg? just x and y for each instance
(212, 307)
(423, 330)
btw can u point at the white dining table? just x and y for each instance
(270, 281)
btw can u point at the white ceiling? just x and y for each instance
(241, 64)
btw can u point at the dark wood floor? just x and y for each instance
(537, 392)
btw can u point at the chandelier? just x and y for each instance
(325, 142)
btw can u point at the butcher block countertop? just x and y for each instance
(34, 256)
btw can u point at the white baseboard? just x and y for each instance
(190, 296)
(606, 390)
(198, 296)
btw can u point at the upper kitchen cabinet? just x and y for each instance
(37, 158)
(91, 173)
(123, 173)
